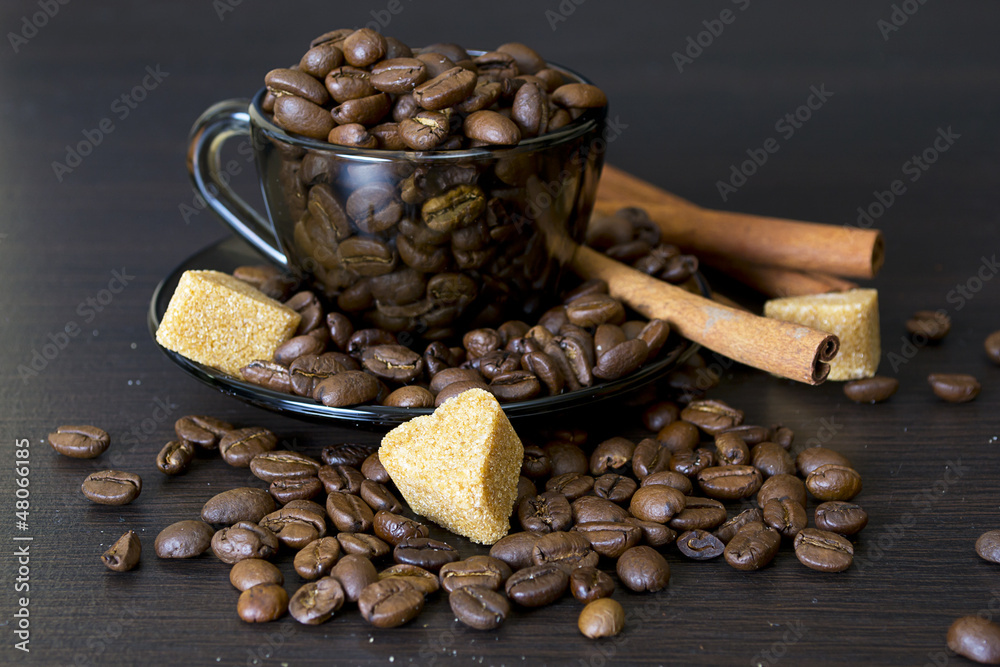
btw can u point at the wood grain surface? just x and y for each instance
(82, 248)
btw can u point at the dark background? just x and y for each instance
(929, 468)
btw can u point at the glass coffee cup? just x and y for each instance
(428, 244)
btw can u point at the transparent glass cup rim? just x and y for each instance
(589, 121)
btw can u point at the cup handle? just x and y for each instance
(218, 124)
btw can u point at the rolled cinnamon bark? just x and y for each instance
(789, 350)
(775, 282)
(802, 246)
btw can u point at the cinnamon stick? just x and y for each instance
(789, 350)
(801, 246)
(774, 282)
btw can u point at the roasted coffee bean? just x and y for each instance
(568, 550)
(992, 347)
(390, 603)
(393, 363)
(374, 207)
(728, 530)
(678, 436)
(753, 434)
(296, 347)
(822, 550)
(175, 457)
(595, 309)
(456, 208)
(262, 604)
(449, 376)
(490, 127)
(812, 458)
(698, 513)
(670, 478)
(483, 571)
(573, 485)
(712, 416)
(379, 498)
(496, 65)
(253, 572)
(320, 59)
(112, 487)
(356, 136)
(515, 549)
(612, 455)
(363, 544)
(348, 83)
(239, 446)
(690, 463)
(346, 388)
(609, 538)
(772, 459)
(538, 585)
(834, 482)
(244, 540)
(601, 618)
(871, 390)
(355, 573)
(536, 463)
(479, 607)
(843, 518)
(79, 442)
(273, 465)
(545, 513)
(579, 95)
(786, 516)
(657, 503)
(446, 89)
(642, 569)
(987, 546)
(659, 415)
(592, 508)
(184, 539)
(317, 601)
(124, 554)
(367, 257)
(731, 482)
(398, 76)
(395, 528)
(423, 580)
(500, 362)
(412, 396)
(340, 328)
(731, 450)
(201, 430)
(954, 387)
(975, 638)
(317, 558)
(515, 386)
(527, 59)
(268, 374)
(526, 489)
(754, 546)
(424, 131)
(300, 116)
(654, 534)
(239, 504)
(364, 47)
(588, 584)
(655, 335)
(480, 342)
(566, 458)
(700, 545)
(782, 486)
(650, 458)
(287, 489)
(530, 109)
(931, 325)
(614, 487)
(349, 513)
(347, 454)
(622, 360)
(373, 469)
(293, 82)
(607, 337)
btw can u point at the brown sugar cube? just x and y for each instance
(458, 466)
(223, 322)
(852, 316)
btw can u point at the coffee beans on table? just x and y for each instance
(992, 347)
(871, 390)
(822, 550)
(316, 601)
(124, 553)
(603, 617)
(389, 603)
(112, 487)
(252, 572)
(79, 442)
(479, 607)
(262, 603)
(184, 539)
(988, 546)
(954, 387)
(975, 638)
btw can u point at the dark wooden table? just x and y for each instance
(84, 244)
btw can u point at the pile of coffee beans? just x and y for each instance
(362, 89)
(587, 339)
